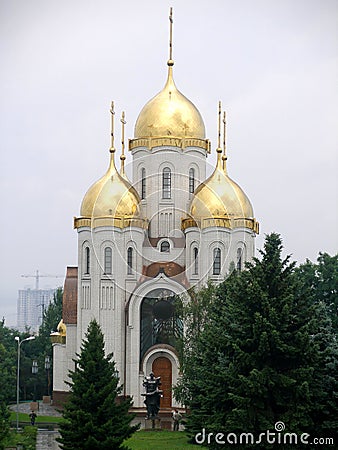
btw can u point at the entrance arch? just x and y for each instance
(162, 368)
(160, 323)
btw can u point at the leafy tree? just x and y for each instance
(7, 380)
(51, 318)
(95, 418)
(195, 317)
(8, 361)
(35, 350)
(42, 346)
(259, 356)
(4, 422)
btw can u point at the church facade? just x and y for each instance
(143, 243)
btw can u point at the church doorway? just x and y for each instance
(162, 368)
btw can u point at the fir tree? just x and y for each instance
(322, 279)
(260, 355)
(95, 418)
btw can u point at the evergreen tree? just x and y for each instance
(51, 318)
(259, 356)
(322, 279)
(95, 418)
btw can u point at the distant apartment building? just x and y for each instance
(30, 307)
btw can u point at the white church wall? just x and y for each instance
(193, 238)
(165, 214)
(152, 254)
(60, 368)
(103, 295)
(243, 238)
(71, 345)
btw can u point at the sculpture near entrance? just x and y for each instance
(152, 395)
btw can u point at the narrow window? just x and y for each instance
(216, 270)
(239, 259)
(129, 261)
(87, 261)
(165, 247)
(166, 183)
(108, 261)
(143, 184)
(191, 181)
(195, 261)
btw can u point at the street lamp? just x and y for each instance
(47, 367)
(17, 338)
(35, 370)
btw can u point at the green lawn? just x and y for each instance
(141, 440)
(160, 440)
(40, 419)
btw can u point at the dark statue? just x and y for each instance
(152, 395)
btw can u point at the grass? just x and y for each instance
(141, 440)
(27, 438)
(40, 419)
(163, 440)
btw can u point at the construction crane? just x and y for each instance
(37, 277)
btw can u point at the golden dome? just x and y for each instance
(112, 195)
(220, 196)
(170, 113)
(62, 329)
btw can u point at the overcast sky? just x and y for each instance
(273, 63)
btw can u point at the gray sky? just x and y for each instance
(272, 63)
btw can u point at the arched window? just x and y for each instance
(87, 261)
(129, 261)
(160, 322)
(216, 268)
(166, 183)
(191, 181)
(239, 259)
(108, 261)
(195, 255)
(165, 247)
(143, 184)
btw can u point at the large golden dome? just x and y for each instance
(170, 113)
(219, 196)
(112, 195)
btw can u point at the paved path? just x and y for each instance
(45, 440)
(45, 409)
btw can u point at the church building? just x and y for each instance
(144, 242)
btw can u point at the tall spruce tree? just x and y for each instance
(321, 281)
(258, 359)
(95, 418)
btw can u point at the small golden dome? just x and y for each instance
(220, 196)
(170, 113)
(62, 329)
(112, 195)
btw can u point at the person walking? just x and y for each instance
(32, 417)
